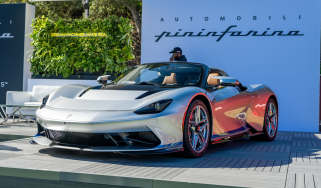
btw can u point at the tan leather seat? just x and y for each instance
(170, 79)
(211, 80)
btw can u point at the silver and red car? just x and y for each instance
(157, 107)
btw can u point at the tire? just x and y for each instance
(197, 129)
(271, 119)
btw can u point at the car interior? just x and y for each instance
(213, 81)
(169, 80)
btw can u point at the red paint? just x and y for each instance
(236, 112)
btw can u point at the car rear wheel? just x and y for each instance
(196, 135)
(271, 119)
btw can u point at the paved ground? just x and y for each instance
(293, 160)
(18, 128)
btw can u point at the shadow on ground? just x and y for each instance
(9, 148)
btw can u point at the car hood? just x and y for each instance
(101, 99)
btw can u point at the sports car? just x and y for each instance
(157, 107)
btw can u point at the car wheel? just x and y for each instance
(271, 119)
(196, 135)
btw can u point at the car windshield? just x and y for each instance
(164, 74)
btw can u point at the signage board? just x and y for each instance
(273, 42)
(13, 47)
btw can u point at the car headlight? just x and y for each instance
(44, 101)
(155, 107)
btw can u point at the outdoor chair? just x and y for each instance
(23, 98)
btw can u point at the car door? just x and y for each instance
(229, 107)
(229, 104)
(223, 110)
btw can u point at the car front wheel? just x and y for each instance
(196, 135)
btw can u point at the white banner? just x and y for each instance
(275, 42)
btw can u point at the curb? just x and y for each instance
(52, 177)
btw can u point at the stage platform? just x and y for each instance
(291, 161)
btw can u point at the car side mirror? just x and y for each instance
(104, 80)
(222, 81)
(227, 81)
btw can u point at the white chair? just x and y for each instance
(23, 98)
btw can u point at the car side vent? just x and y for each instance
(147, 94)
(85, 91)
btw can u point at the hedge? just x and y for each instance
(66, 56)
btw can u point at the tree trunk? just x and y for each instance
(136, 18)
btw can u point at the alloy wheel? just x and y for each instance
(271, 119)
(198, 128)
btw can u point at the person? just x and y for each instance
(177, 55)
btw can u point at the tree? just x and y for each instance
(59, 9)
(134, 6)
(125, 8)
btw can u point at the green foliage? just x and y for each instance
(131, 9)
(99, 9)
(65, 56)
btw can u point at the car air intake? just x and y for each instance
(145, 139)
